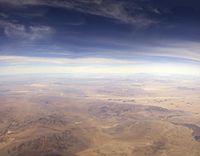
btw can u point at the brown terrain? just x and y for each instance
(136, 116)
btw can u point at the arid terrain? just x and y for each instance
(136, 116)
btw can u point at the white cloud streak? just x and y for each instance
(188, 50)
(23, 60)
(85, 66)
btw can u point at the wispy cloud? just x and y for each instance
(111, 9)
(20, 31)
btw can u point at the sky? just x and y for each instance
(100, 36)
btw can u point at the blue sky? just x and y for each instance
(148, 31)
